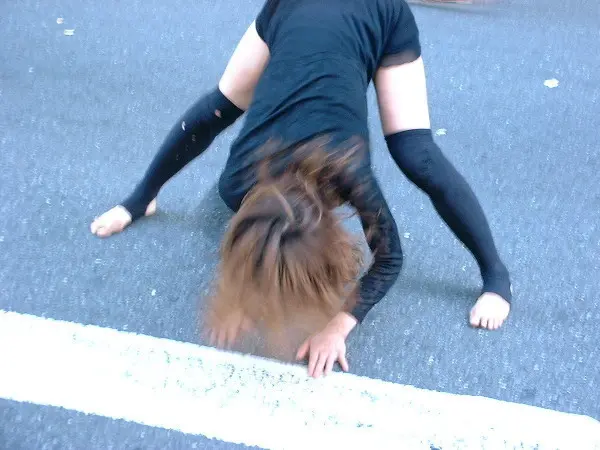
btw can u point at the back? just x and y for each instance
(361, 31)
(323, 56)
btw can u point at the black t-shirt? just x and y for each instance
(323, 55)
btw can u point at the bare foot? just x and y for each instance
(116, 220)
(489, 312)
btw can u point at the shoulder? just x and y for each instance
(400, 30)
(390, 18)
(391, 9)
(265, 17)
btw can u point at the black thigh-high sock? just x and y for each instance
(421, 160)
(188, 138)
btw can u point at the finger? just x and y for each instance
(320, 365)
(343, 361)
(221, 337)
(232, 333)
(212, 338)
(247, 325)
(229, 337)
(303, 350)
(330, 362)
(312, 362)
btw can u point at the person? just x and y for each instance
(300, 75)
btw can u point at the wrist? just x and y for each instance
(343, 323)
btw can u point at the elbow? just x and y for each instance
(390, 265)
(389, 258)
(394, 267)
(395, 256)
(421, 160)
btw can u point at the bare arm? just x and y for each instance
(245, 68)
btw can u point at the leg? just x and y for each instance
(194, 132)
(402, 97)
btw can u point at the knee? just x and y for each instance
(212, 112)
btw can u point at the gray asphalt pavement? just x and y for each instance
(81, 116)
(29, 427)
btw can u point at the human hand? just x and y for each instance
(225, 330)
(327, 346)
(323, 349)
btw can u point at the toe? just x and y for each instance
(488, 323)
(97, 229)
(95, 225)
(485, 323)
(102, 231)
(475, 318)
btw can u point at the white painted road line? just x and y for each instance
(253, 401)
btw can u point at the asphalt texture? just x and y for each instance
(81, 116)
(29, 427)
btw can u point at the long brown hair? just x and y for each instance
(286, 251)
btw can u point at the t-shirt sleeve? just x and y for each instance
(403, 44)
(264, 17)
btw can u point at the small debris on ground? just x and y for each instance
(552, 83)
